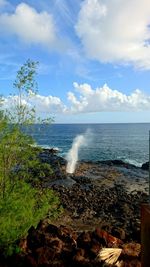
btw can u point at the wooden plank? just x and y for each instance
(145, 234)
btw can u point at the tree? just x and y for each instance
(26, 86)
(21, 204)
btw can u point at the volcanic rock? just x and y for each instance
(145, 166)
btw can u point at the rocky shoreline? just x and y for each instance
(102, 203)
(106, 193)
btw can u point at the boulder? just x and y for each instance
(145, 166)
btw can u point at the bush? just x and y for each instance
(22, 208)
(21, 205)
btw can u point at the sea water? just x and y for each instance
(127, 142)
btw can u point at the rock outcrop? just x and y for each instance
(51, 246)
(145, 166)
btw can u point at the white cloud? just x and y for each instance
(29, 25)
(105, 99)
(48, 104)
(85, 99)
(116, 31)
(42, 104)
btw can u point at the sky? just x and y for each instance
(94, 57)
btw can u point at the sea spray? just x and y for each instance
(72, 155)
(82, 140)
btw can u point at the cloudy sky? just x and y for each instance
(94, 57)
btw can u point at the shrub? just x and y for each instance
(22, 208)
(21, 204)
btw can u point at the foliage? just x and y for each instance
(22, 113)
(26, 86)
(25, 80)
(15, 153)
(21, 204)
(23, 207)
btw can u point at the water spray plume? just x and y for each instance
(72, 156)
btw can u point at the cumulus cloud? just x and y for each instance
(85, 99)
(29, 25)
(116, 31)
(47, 104)
(42, 104)
(105, 99)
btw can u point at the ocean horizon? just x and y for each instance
(102, 141)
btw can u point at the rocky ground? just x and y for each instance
(52, 246)
(102, 203)
(106, 193)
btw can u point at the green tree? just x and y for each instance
(21, 204)
(26, 86)
(16, 156)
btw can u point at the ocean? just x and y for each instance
(127, 142)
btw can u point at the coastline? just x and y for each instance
(101, 210)
(103, 192)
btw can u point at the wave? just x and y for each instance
(133, 162)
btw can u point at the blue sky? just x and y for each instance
(94, 57)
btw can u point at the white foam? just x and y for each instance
(133, 162)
